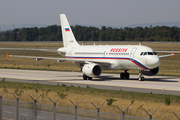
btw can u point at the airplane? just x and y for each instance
(92, 59)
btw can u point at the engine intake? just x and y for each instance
(92, 70)
(151, 72)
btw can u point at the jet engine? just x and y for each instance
(92, 69)
(151, 72)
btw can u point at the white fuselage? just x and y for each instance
(122, 57)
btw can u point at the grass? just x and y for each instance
(55, 45)
(30, 45)
(138, 101)
(168, 65)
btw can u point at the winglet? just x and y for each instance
(7, 55)
(172, 54)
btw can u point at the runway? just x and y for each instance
(154, 84)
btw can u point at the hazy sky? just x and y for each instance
(89, 12)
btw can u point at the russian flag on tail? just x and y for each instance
(67, 29)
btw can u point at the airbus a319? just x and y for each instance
(92, 59)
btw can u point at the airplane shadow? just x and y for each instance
(109, 78)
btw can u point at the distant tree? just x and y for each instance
(53, 33)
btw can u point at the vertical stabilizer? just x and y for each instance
(68, 36)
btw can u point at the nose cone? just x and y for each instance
(153, 62)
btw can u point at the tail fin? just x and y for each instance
(68, 36)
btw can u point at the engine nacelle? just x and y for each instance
(151, 72)
(92, 70)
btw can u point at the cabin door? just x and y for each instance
(104, 54)
(133, 53)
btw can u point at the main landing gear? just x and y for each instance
(85, 77)
(141, 78)
(124, 75)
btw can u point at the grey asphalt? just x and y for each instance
(9, 113)
(154, 84)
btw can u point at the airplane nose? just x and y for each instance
(153, 62)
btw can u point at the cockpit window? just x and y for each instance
(141, 53)
(150, 53)
(145, 53)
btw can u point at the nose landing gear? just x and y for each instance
(141, 77)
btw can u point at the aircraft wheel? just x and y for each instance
(85, 77)
(90, 78)
(127, 75)
(141, 78)
(122, 75)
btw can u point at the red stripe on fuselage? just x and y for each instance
(138, 65)
(108, 58)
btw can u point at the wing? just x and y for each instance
(167, 51)
(103, 63)
(37, 58)
(172, 54)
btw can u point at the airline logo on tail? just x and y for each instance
(67, 29)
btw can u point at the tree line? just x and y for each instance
(84, 33)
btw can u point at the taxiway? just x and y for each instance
(154, 84)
